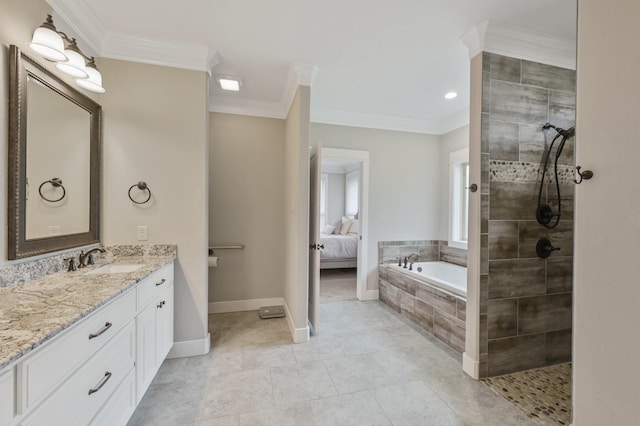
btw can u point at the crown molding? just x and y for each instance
(516, 42)
(177, 55)
(454, 122)
(244, 106)
(77, 16)
(372, 121)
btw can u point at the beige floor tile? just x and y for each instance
(297, 414)
(237, 393)
(355, 409)
(317, 349)
(357, 373)
(170, 404)
(266, 356)
(301, 382)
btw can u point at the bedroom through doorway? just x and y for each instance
(340, 214)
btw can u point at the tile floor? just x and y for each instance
(367, 366)
(338, 285)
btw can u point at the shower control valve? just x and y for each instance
(544, 248)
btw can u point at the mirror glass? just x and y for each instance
(54, 161)
(58, 155)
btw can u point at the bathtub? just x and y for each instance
(446, 276)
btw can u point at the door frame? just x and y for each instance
(361, 157)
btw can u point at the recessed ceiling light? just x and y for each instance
(451, 95)
(229, 84)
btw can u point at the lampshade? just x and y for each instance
(47, 42)
(94, 82)
(75, 65)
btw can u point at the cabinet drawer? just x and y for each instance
(153, 285)
(120, 406)
(49, 366)
(6, 397)
(78, 400)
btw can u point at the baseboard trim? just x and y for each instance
(470, 366)
(299, 335)
(243, 305)
(190, 348)
(370, 295)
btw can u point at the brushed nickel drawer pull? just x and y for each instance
(105, 379)
(102, 330)
(161, 282)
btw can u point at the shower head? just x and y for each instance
(565, 133)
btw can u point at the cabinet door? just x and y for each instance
(146, 365)
(165, 325)
(6, 400)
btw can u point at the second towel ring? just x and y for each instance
(56, 183)
(142, 186)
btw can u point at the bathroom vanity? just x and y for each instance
(82, 347)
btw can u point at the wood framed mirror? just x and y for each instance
(55, 144)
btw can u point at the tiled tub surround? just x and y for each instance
(525, 302)
(429, 251)
(33, 312)
(439, 313)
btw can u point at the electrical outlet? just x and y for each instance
(142, 233)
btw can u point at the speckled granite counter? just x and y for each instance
(33, 312)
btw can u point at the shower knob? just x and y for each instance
(544, 248)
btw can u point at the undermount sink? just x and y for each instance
(116, 268)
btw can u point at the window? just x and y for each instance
(324, 183)
(459, 198)
(351, 193)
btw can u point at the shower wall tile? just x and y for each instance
(516, 354)
(518, 104)
(484, 213)
(484, 138)
(402, 281)
(544, 313)
(513, 201)
(503, 141)
(562, 109)
(461, 309)
(428, 253)
(559, 275)
(505, 68)
(516, 278)
(548, 76)
(502, 318)
(390, 251)
(558, 346)
(423, 315)
(503, 239)
(523, 299)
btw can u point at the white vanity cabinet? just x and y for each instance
(97, 370)
(155, 326)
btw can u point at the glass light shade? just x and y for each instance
(75, 65)
(48, 43)
(94, 82)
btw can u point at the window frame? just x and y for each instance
(458, 198)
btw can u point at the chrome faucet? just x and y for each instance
(87, 258)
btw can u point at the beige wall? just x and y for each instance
(247, 206)
(156, 130)
(449, 142)
(404, 182)
(296, 185)
(607, 234)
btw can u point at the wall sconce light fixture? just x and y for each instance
(50, 44)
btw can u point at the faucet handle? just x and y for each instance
(90, 261)
(72, 264)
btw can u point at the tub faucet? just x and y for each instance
(87, 258)
(412, 255)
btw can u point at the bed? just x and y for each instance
(340, 251)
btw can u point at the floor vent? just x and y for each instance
(267, 312)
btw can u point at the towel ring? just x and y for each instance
(56, 183)
(142, 186)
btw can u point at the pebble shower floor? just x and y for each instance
(543, 394)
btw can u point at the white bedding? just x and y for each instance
(339, 246)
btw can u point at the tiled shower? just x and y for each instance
(525, 301)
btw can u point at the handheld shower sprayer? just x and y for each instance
(544, 213)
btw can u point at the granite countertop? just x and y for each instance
(33, 312)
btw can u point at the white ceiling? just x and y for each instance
(380, 63)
